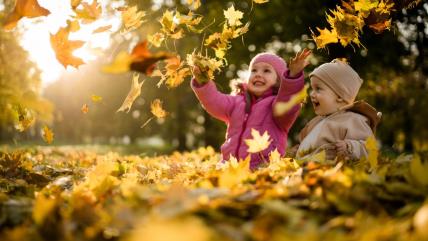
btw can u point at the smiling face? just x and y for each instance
(324, 100)
(263, 77)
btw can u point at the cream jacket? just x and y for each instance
(352, 125)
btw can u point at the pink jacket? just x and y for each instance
(231, 110)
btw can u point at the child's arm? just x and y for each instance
(354, 144)
(217, 104)
(291, 83)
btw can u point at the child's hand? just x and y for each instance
(199, 76)
(342, 149)
(299, 62)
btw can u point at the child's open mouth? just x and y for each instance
(315, 103)
(258, 83)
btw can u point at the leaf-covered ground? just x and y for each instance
(69, 194)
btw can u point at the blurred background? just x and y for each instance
(394, 66)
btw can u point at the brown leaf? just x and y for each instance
(24, 8)
(144, 61)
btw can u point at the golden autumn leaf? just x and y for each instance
(347, 26)
(75, 3)
(234, 172)
(26, 118)
(194, 4)
(325, 37)
(156, 39)
(365, 5)
(207, 65)
(90, 12)
(102, 29)
(259, 142)
(96, 98)
(373, 151)
(143, 60)
(233, 16)
(85, 109)
(170, 25)
(132, 95)
(157, 110)
(132, 18)
(175, 72)
(47, 134)
(24, 8)
(63, 48)
(43, 206)
(282, 107)
(73, 25)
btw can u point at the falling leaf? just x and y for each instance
(63, 48)
(132, 95)
(89, 13)
(143, 60)
(96, 98)
(75, 3)
(156, 39)
(24, 8)
(47, 135)
(194, 4)
(170, 25)
(132, 18)
(175, 72)
(102, 29)
(233, 16)
(73, 26)
(25, 118)
(85, 109)
(120, 64)
(372, 149)
(282, 107)
(258, 143)
(365, 5)
(157, 110)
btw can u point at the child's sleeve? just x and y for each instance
(217, 104)
(356, 136)
(288, 87)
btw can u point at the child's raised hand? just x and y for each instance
(299, 62)
(199, 76)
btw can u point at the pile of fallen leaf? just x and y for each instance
(65, 194)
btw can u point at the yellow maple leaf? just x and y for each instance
(26, 118)
(233, 16)
(346, 25)
(170, 24)
(75, 3)
(96, 98)
(365, 5)
(47, 135)
(207, 65)
(234, 172)
(157, 110)
(85, 109)
(194, 4)
(64, 48)
(258, 143)
(325, 37)
(132, 18)
(24, 8)
(43, 206)
(156, 39)
(73, 25)
(281, 108)
(372, 149)
(132, 95)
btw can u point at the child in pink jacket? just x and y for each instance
(270, 81)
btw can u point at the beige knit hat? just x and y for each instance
(341, 78)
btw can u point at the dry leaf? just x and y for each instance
(132, 95)
(85, 109)
(63, 48)
(157, 110)
(102, 29)
(25, 119)
(47, 135)
(89, 13)
(144, 61)
(24, 8)
(96, 98)
(233, 16)
(120, 64)
(132, 18)
(281, 108)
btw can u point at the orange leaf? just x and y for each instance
(144, 61)
(24, 8)
(64, 48)
(85, 109)
(89, 13)
(102, 29)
